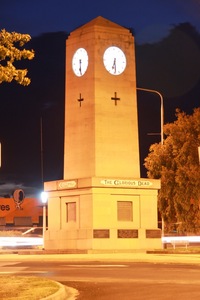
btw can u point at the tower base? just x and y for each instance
(103, 214)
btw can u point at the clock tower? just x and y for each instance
(101, 203)
(101, 126)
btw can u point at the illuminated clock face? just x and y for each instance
(114, 60)
(80, 62)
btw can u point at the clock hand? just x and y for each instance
(114, 65)
(80, 66)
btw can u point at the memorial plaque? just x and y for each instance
(153, 233)
(127, 233)
(101, 234)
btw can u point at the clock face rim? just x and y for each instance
(79, 68)
(110, 61)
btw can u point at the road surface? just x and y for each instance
(115, 280)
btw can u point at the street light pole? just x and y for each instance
(161, 128)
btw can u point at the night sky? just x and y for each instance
(49, 22)
(151, 19)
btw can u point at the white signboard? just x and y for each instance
(126, 182)
(67, 184)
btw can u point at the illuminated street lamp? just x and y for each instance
(44, 198)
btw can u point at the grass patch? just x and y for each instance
(26, 287)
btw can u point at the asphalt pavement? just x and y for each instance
(176, 257)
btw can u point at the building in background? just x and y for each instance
(28, 214)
